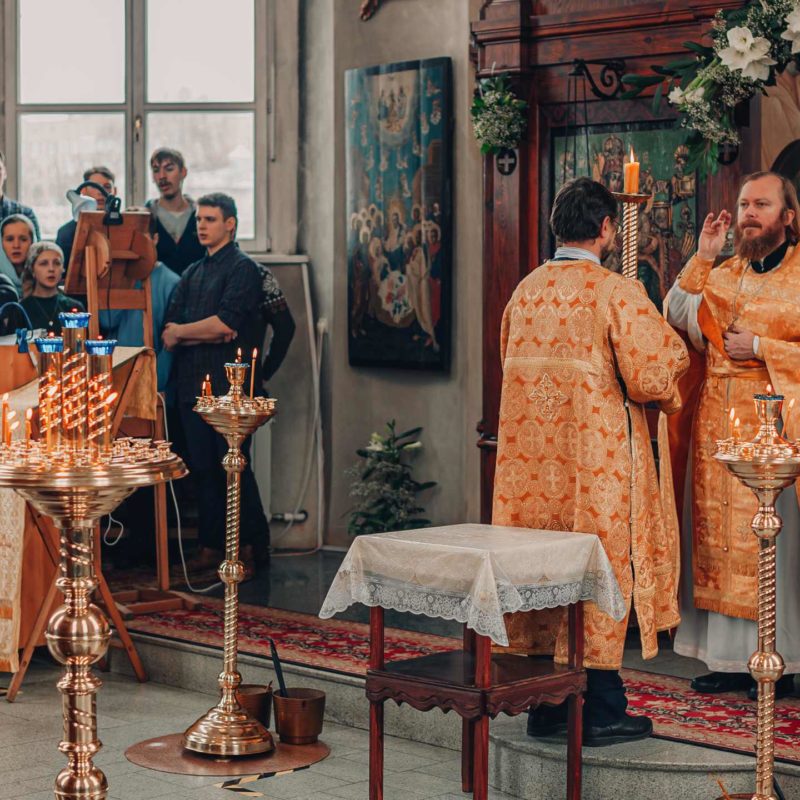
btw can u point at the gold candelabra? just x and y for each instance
(227, 729)
(69, 478)
(768, 464)
(630, 231)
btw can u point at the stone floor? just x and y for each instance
(128, 712)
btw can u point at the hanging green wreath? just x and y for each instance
(750, 46)
(498, 116)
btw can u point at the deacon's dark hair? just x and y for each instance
(99, 170)
(161, 154)
(790, 202)
(579, 209)
(224, 202)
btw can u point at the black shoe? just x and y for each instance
(625, 729)
(547, 720)
(719, 682)
(783, 688)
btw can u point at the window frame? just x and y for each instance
(135, 108)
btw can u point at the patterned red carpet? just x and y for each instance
(300, 638)
(725, 722)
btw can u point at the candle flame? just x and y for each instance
(29, 414)
(238, 355)
(736, 425)
(11, 415)
(255, 352)
(732, 415)
(769, 388)
(633, 155)
(5, 397)
(14, 426)
(791, 404)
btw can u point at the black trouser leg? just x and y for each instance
(605, 700)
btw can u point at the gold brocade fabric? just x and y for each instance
(725, 558)
(570, 456)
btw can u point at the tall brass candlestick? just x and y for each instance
(630, 231)
(100, 352)
(227, 729)
(74, 396)
(767, 465)
(75, 490)
(50, 357)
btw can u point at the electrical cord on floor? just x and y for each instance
(178, 518)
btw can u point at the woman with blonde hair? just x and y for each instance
(41, 298)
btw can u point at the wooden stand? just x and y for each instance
(477, 686)
(111, 265)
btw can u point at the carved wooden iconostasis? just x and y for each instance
(538, 44)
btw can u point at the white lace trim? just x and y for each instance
(351, 586)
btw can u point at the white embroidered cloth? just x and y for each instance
(474, 574)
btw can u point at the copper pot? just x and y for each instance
(256, 699)
(298, 717)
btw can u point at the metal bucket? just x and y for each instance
(256, 699)
(298, 717)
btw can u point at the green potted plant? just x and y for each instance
(382, 485)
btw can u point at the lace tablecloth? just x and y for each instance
(474, 574)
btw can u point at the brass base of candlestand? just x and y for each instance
(228, 733)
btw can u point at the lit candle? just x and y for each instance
(253, 371)
(769, 388)
(5, 416)
(631, 170)
(11, 429)
(28, 431)
(736, 432)
(239, 355)
(205, 389)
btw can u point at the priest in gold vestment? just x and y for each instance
(745, 316)
(583, 349)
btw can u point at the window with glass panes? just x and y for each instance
(105, 82)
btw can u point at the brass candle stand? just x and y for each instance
(65, 476)
(630, 231)
(768, 464)
(227, 729)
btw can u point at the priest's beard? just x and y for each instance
(756, 248)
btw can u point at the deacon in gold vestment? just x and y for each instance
(745, 316)
(583, 349)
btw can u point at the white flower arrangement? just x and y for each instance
(498, 116)
(750, 45)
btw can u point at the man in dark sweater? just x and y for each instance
(215, 311)
(178, 244)
(9, 206)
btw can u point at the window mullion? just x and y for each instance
(137, 119)
(9, 40)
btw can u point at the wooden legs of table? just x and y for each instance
(376, 661)
(575, 705)
(480, 739)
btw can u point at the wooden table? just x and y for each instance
(492, 568)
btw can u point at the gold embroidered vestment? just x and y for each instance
(572, 457)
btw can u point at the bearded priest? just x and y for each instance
(744, 316)
(583, 349)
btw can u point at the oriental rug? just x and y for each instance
(723, 722)
(329, 644)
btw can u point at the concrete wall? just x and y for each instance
(357, 401)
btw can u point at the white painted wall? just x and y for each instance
(357, 401)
